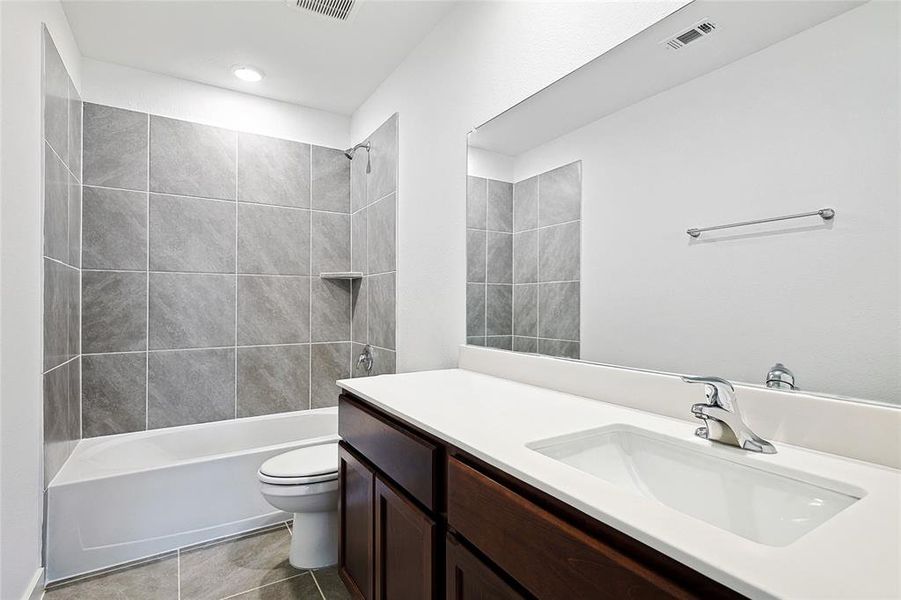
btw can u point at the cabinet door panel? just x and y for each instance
(468, 578)
(404, 547)
(356, 505)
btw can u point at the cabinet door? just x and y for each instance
(468, 578)
(356, 504)
(404, 547)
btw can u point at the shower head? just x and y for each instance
(349, 153)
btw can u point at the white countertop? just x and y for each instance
(856, 554)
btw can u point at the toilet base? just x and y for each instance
(314, 543)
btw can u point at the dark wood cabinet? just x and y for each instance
(423, 520)
(468, 578)
(404, 547)
(355, 556)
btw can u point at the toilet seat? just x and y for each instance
(304, 466)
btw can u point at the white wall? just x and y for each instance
(480, 59)
(21, 480)
(490, 165)
(125, 87)
(795, 127)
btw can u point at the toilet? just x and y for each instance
(305, 482)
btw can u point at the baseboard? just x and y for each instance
(35, 589)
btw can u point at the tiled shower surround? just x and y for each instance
(523, 262)
(201, 259)
(61, 254)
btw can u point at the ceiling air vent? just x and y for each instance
(692, 34)
(340, 10)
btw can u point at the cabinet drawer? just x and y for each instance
(547, 555)
(407, 458)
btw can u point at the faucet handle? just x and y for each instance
(718, 390)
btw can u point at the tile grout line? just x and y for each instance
(310, 286)
(318, 587)
(538, 260)
(271, 583)
(486, 258)
(147, 293)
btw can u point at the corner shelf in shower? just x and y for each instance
(342, 275)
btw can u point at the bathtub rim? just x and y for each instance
(298, 443)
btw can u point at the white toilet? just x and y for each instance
(305, 482)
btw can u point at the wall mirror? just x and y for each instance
(594, 207)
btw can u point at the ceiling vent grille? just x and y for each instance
(339, 10)
(692, 34)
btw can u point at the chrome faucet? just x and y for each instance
(723, 419)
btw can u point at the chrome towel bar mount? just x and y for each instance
(825, 213)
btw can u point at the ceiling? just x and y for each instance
(308, 59)
(642, 67)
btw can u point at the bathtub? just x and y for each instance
(130, 496)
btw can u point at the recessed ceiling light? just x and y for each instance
(245, 73)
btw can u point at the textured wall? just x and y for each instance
(523, 262)
(61, 260)
(202, 250)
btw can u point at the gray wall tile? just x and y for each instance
(382, 219)
(75, 127)
(383, 362)
(273, 171)
(74, 377)
(499, 309)
(560, 195)
(115, 229)
(73, 308)
(331, 180)
(56, 314)
(57, 444)
(359, 255)
(359, 180)
(330, 362)
(190, 386)
(525, 344)
(499, 261)
(475, 309)
(191, 310)
(56, 207)
(503, 342)
(476, 202)
(192, 234)
(114, 311)
(273, 310)
(273, 240)
(558, 310)
(525, 310)
(114, 393)
(330, 301)
(381, 310)
(475, 256)
(525, 257)
(359, 301)
(499, 212)
(74, 221)
(558, 348)
(56, 99)
(191, 159)
(525, 204)
(115, 147)
(476, 341)
(559, 251)
(331, 242)
(383, 179)
(273, 379)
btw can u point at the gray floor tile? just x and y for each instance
(331, 585)
(157, 580)
(300, 587)
(236, 566)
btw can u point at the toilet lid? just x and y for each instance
(304, 465)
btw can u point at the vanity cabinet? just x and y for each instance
(421, 520)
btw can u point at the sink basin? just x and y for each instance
(706, 483)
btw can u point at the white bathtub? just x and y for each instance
(124, 497)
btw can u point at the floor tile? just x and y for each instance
(301, 587)
(157, 580)
(235, 566)
(331, 585)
